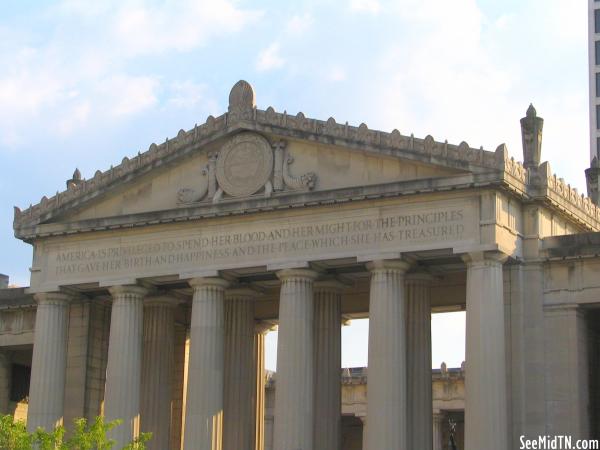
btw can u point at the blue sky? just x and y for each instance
(83, 84)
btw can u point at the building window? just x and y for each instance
(597, 21)
(598, 146)
(597, 52)
(19, 387)
(597, 117)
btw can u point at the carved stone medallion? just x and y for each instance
(244, 165)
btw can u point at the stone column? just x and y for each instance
(49, 363)
(363, 419)
(238, 411)
(157, 370)
(186, 377)
(5, 381)
(294, 395)
(179, 358)
(386, 388)
(486, 419)
(260, 330)
(204, 401)
(328, 356)
(124, 366)
(418, 357)
(438, 428)
(567, 371)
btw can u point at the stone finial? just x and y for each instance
(531, 133)
(75, 180)
(592, 178)
(242, 100)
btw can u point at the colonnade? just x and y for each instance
(225, 367)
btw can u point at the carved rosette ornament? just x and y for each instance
(244, 165)
(247, 165)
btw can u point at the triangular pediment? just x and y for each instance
(251, 155)
(253, 165)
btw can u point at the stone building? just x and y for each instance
(153, 283)
(448, 390)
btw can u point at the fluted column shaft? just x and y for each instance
(294, 396)
(438, 423)
(124, 366)
(328, 356)
(485, 378)
(178, 384)
(365, 445)
(157, 370)
(260, 330)
(5, 381)
(238, 419)
(204, 401)
(386, 389)
(418, 357)
(49, 363)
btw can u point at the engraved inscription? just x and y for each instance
(328, 235)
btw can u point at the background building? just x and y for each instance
(594, 75)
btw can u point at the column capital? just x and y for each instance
(52, 298)
(128, 289)
(439, 415)
(261, 327)
(241, 293)
(161, 300)
(306, 274)
(561, 308)
(331, 285)
(484, 259)
(395, 265)
(419, 278)
(214, 282)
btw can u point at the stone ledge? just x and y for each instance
(571, 245)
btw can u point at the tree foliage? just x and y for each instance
(84, 436)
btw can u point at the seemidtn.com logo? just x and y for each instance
(558, 443)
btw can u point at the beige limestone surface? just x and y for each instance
(277, 238)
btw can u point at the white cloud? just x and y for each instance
(564, 20)
(26, 87)
(188, 94)
(458, 75)
(336, 73)
(75, 117)
(448, 339)
(269, 58)
(128, 95)
(71, 79)
(299, 24)
(84, 8)
(365, 6)
(176, 26)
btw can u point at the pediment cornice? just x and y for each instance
(277, 202)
